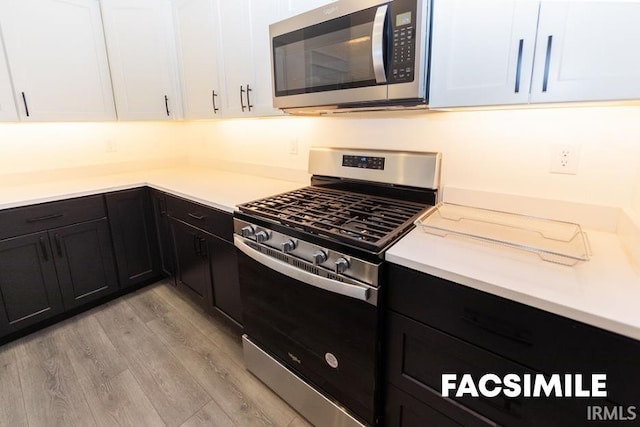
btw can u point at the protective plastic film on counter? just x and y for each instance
(554, 241)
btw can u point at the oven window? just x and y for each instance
(332, 55)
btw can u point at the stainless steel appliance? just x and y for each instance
(310, 264)
(352, 54)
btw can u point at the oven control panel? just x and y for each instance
(307, 256)
(363, 162)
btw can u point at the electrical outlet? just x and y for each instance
(564, 159)
(111, 146)
(293, 147)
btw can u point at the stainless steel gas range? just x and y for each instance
(310, 268)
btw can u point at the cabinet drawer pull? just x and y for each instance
(213, 100)
(196, 216)
(45, 218)
(242, 106)
(56, 237)
(43, 247)
(497, 327)
(248, 98)
(519, 65)
(26, 107)
(547, 64)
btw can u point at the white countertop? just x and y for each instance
(604, 291)
(218, 189)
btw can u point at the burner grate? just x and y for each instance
(361, 219)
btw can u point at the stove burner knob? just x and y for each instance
(262, 236)
(341, 265)
(247, 231)
(288, 246)
(319, 257)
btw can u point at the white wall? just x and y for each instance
(42, 147)
(499, 151)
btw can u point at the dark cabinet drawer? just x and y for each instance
(418, 356)
(404, 410)
(534, 338)
(31, 219)
(214, 221)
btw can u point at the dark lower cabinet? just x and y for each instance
(134, 236)
(29, 291)
(206, 262)
(193, 272)
(84, 262)
(167, 262)
(437, 327)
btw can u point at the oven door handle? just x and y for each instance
(362, 293)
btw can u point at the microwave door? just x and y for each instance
(333, 62)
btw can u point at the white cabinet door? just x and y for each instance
(141, 46)
(482, 52)
(7, 105)
(244, 34)
(197, 38)
(57, 59)
(587, 51)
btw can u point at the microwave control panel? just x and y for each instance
(403, 48)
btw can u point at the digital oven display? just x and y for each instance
(363, 162)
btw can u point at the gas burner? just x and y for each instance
(359, 219)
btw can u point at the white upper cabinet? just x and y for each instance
(141, 46)
(244, 34)
(197, 38)
(57, 59)
(587, 51)
(482, 52)
(7, 105)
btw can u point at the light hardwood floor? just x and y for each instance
(151, 358)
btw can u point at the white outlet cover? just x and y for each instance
(564, 159)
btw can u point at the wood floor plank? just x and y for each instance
(91, 352)
(113, 395)
(300, 422)
(172, 391)
(50, 387)
(239, 394)
(222, 335)
(146, 305)
(120, 401)
(210, 415)
(12, 411)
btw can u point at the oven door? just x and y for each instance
(324, 336)
(319, 59)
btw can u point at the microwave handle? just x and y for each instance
(377, 44)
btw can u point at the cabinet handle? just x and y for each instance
(242, 98)
(202, 245)
(166, 105)
(195, 216)
(213, 101)
(195, 245)
(547, 63)
(56, 237)
(43, 247)
(45, 218)
(519, 65)
(497, 327)
(26, 107)
(248, 98)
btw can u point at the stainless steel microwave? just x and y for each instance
(352, 54)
